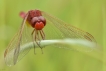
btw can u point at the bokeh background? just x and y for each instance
(89, 15)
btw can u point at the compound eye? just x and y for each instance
(41, 18)
(34, 19)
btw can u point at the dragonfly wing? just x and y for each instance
(57, 29)
(26, 38)
(68, 30)
(9, 52)
(12, 54)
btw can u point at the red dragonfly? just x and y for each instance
(43, 26)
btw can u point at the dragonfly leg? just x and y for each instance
(42, 34)
(38, 37)
(33, 40)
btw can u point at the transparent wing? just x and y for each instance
(12, 54)
(57, 29)
(67, 30)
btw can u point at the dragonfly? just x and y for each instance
(36, 26)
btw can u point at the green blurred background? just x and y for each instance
(89, 15)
